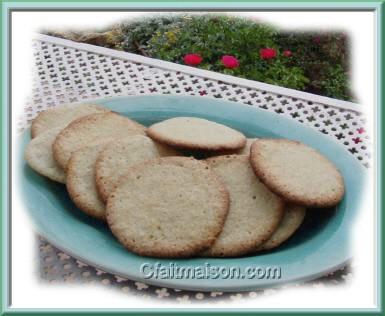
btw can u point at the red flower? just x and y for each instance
(361, 130)
(192, 59)
(267, 53)
(287, 53)
(230, 61)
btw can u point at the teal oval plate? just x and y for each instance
(320, 246)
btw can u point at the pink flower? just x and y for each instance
(267, 53)
(230, 61)
(287, 53)
(192, 59)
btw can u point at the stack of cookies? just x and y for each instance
(243, 197)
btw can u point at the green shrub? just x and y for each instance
(324, 59)
(318, 61)
(335, 83)
(213, 36)
(137, 33)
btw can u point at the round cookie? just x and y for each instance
(38, 154)
(254, 214)
(81, 184)
(192, 133)
(61, 116)
(89, 130)
(121, 154)
(297, 172)
(292, 219)
(168, 207)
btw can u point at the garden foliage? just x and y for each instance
(307, 61)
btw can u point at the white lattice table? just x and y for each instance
(71, 72)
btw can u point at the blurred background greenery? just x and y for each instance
(308, 61)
